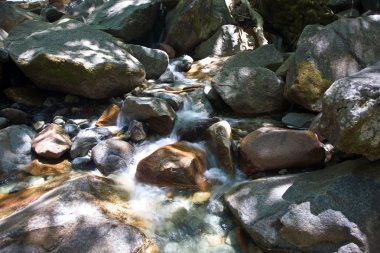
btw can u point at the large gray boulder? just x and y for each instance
(71, 57)
(156, 112)
(228, 40)
(12, 16)
(330, 210)
(125, 19)
(194, 21)
(15, 148)
(350, 113)
(250, 90)
(266, 56)
(82, 9)
(155, 61)
(75, 217)
(328, 53)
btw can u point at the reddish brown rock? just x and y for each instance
(52, 142)
(109, 116)
(179, 165)
(43, 168)
(270, 148)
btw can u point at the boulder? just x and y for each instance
(82, 9)
(72, 57)
(228, 40)
(15, 148)
(81, 215)
(330, 210)
(154, 111)
(182, 63)
(250, 90)
(15, 116)
(155, 61)
(326, 54)
(178, 165)
(11, 16)
(350, 113)
(191, 126)
(194, 21)
(125, 19)
(136, 131)
(112, 155)
(48, 168)
(241, 127)
(266, 56)
(51, 142)
(87, 139)
(270, 148)
(219, 137)
(109, 116)
(167, 49)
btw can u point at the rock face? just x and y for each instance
(326, 54)
(250, 90)
(72, 218)
(194, 21)
(112, 155)
(178, 165)
(51, 142)
(74, 58)
(15, 148)
(306, 212)
(125, 19)
(155, 61)
(270, 148)
(154, 111)
(11, 16)
(350, 113)
(87, 139)
(228, 40)
(266, 56)
(220, 138)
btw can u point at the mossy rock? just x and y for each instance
(71, 57)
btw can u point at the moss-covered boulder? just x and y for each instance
(71, 57)
(194, 21)
(326, 54)
(351, 113)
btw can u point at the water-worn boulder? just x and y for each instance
(178, 165)
(250, 90)
(15, 148)
(72, 57)
(154, 111)
(87, 139)
(330, 210)
(78, 216)
(266, 56)
(112, 155)
(43, 168)
(125, 19)
(155, 61)
(326, 54)
(219, 137)
(228, 40)
(194, 21)
(350, 113)
(51, 142)
(11, 16)
(270, 148)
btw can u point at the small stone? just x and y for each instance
(137, 131)
(59, 120)
(109, 116)
(200, 197)
(15, 116)
(38, 125)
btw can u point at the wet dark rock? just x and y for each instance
(193, 128)
(15, 148)
(83, 163)
(51, 14)
(112, 155)
(182, 63)
(87, 139)
(4, 122)
(136, 131)
(308, 213)
(15, 116)
(298, 120)
(71, 129)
